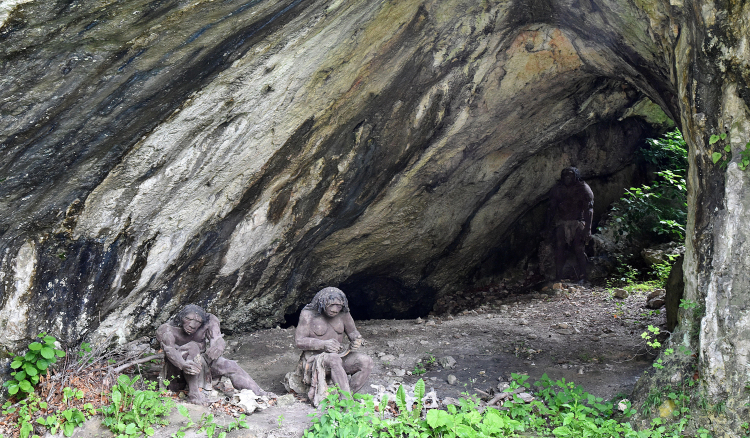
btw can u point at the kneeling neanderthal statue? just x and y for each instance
(193, 348)
(320, 333)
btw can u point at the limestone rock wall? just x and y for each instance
(242, 155)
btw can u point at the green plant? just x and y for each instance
(132, 411)
(67, 420)
(419, 369)
(29, 366)
(744, 157)
(208, 424)
(656, 211)
(719, 157)
(661, 270)
(26, 408)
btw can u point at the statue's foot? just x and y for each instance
(199, 399)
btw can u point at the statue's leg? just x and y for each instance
(359, 366)
(559, 252)
(239, 377)
(333, 362)
(579, 248)
(189, 352)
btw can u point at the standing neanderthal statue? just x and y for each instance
(185, 341)
(320, 333)
(571, 209)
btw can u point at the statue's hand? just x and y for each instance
(214, 352)
(355, 344)
(331, 346)
(191, 368)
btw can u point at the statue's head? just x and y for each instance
(570, 175)
(330, 301)
(191, 318)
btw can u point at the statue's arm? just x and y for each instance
(355, 337)
(588, 212)
(215, 338)
(166, 338)
(303, 336)
(551, 209)
(349, 328)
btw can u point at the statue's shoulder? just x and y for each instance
(164, 329)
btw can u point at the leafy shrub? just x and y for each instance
(562, 409)
(132, 411)
(657, 211)
(31, 365)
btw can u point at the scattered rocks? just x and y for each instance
(399, 372)
(451, 379)
(447, 362)
(623, 404)
(285, 400)
(388, 358)
(526, 397)
(656, 299)
(621, 294)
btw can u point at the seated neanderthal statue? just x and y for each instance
(320, 333)
(193, 348)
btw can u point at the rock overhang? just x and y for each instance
(315, 146)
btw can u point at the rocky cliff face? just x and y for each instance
(242, 154)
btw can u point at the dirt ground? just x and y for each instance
(584, 335)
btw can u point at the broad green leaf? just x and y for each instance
(13, 389)
(183, 411)
(35, 346)
(42, 364)
(716, 156)
(49, 339)
(17, 362)
(30, 369)
(24, 385)
(401, 398)
(47, 353)
(26, 428)
(60, 353)
(713, 139)
(68, 429)
(130, 429)
(20, 375)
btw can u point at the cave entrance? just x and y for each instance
(378, 297)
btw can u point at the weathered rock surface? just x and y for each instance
(242, 154)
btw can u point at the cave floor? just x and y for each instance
(581, 334)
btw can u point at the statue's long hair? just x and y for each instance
(190, 308)
(326, 296)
